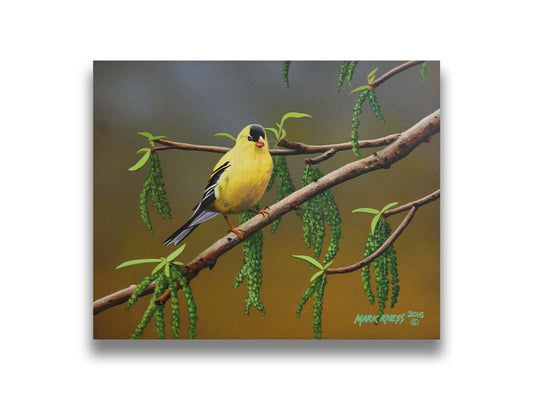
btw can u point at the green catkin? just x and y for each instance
(285, 185)
(357, 110)
(154, 187)
(372, 99)
(174, 308)
(143, 205)
(384, 265)
(395, 280)
(306, 296)
(342, 74)
(351, 69)
(191, 305)
(158, 192)
(365, 271)
(285, 72)
(381, 269)
(151, 309)
(318, 306)
(251, 269)
(333, 219)
(423, 71)
(139, 289)
(138, 331)
(313, 220)
(315, 213)
(273, 175)
(161, 284)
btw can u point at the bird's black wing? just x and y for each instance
(209, 192)
(201, 214)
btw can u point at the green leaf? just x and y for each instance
(167, 269)
(310, 260)
(372, 73)
(371, 80)
(360, 88)
(143, 150)
(316, 275)
(226, 135)
(147, 135)
(374, 222)
(286, 117)
(177, 263)
(159, 266)
(141, 162)
(275, 132)
(328, 265)
(378, 216)
(389, 206)
(136, 262)
(176, 253)
(293, 115)
(159, 137)
(366, 210)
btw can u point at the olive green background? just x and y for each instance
(190, 102)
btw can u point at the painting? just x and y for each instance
(266, 200)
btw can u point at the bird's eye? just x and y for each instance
(250, 138)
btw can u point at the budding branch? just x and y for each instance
(400, 147)
(412, 207)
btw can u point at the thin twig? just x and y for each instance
(417, 203)
(393, 72)
(379, 251)
(324, 156)
(406, 142)
(290, 148)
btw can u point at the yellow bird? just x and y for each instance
(237, 182)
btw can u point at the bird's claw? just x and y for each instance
(263, 211)
(238, 232)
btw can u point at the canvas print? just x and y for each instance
(266, 200)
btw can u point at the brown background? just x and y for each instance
(191, 101)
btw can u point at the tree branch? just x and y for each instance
(393, 72)
(417, 203)
(324, 156)
(290, 148)
(406, 142)
(412, 207)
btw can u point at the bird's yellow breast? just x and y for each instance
(243, 184)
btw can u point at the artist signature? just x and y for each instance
(413, 317)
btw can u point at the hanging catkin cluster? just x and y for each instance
(318, 288)
(369, 94)
(162, 283)
(251, 269)
(285, 72)
(285, 185)
(346, 73)
(315, 213)
(372, 99)
(357, 110)
(383, 265)
(154, 187)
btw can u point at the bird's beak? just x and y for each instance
(260, 142)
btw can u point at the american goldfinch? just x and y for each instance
(237, 182)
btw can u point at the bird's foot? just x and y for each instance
(263, 211)
(239, 232)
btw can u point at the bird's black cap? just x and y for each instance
(256, 131)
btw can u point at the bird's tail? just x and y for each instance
(197, 218)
